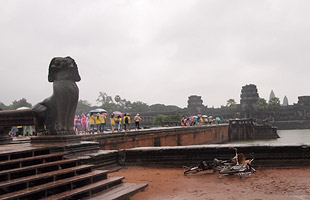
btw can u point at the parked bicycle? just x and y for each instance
(216, 165)
(242, 166)
(237, 165)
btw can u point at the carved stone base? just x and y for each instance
(56, 139)
(5, 140)
(56, 133)
(4, 136)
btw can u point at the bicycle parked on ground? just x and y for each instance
(237, 165)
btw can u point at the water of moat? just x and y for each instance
(291, 137)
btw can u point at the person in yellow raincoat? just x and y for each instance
(98, 122)
(92, 122)
(102, 118)
(119, 123)
(112, 122)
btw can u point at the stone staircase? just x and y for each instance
(41, 174)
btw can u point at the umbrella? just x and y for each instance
(204, 116)
(22, 108)
(117, 113)
(218, 119)
(101, 110)
(95, 111)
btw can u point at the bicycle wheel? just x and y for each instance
(192, 170)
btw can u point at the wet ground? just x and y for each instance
(266, 184)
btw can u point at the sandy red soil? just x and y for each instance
(266, 184)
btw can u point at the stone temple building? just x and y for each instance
(247, 108)
(248, 98)
(285, 101)
(194, 105)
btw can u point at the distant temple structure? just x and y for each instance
(194, 105)
(249, 97)
(247, 107)
(285, 101)
(272, 95)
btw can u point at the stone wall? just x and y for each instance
(264, 155)
(248, 130)
(183, 136)
(174, 136)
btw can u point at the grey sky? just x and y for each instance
(157, 51)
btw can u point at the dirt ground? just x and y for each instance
(266, 184)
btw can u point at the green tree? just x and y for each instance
(274, 104)
(162, 107)
(83, 106)
(231, 104)
(104, 98)
(157, 107)
(172, 108)
(123, 105)
(139, 106)
(158, 119)
(3, 106)
(261, 105)
(117, 98)
(106, 102)
(260, 108)
(175, 116)
(20, 103)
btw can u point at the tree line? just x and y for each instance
(106, 102)
(118, 103)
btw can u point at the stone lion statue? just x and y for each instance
(55, 115)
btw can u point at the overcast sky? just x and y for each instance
(157, 51)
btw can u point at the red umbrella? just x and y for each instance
(117, 113)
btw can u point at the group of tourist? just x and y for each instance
(199, 120)
(123, 122)
(96, 122)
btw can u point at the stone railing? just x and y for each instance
(14, 118)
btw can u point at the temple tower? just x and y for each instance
(272, 95)
(304, 107)
(249, 97)
(285, 101)
(194, 105)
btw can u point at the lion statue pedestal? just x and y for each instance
(54, 116)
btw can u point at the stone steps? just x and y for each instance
(40, 174)
(12, 152)
(36, 169)
(52, 187)
(30, 181)
(87, 190)
(120, 192)
(22, 162)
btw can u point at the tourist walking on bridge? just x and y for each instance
(137, 120)
(102, 122)
(112, 122)
(98, 122)
(183, 121)
(84, 123)
(126, 122)
(119, 123)
(92, 122)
